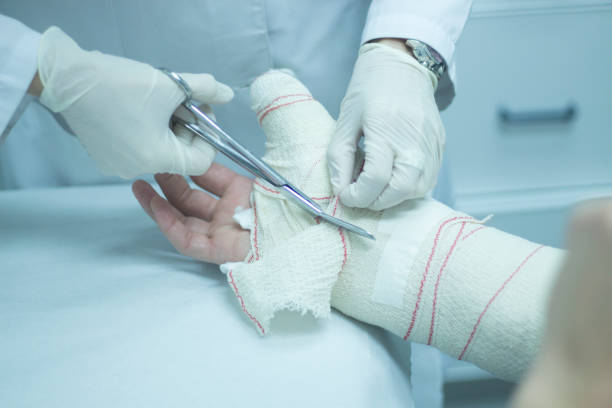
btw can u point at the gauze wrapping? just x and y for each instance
(472, 291)
(294, 262)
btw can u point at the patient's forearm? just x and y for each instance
(474, 292)
(432, 275)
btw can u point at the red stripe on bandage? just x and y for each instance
(278, 98)
(469, 234)
(435, 296)
(268, 189)
(344, 247)
(272, 109)
(255, 231)
(426, 272)
(335, 206)
(310, 171)
(242, 303)
(342, 237)
(494, 297)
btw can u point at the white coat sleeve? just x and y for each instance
(18, 64)
(438, 23)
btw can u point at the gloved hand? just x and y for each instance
(120, 109)
(390, 102)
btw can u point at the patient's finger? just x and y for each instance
(144, 193)
(183, 238)
(216, 179)
(190, 202)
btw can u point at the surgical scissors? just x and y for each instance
(210, 131)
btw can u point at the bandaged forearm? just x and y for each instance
(474, 292)
(433, 275)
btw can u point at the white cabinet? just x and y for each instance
(529, 131)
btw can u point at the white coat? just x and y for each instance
(318, 39)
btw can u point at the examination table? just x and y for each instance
(98, 310)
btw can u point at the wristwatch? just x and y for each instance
(427, 57)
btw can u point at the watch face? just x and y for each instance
(418, 52)
(427, 56)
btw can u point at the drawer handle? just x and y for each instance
(530, 117)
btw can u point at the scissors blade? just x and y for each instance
(268, 173)
(347, 226)
(220, 146)
(297, 197)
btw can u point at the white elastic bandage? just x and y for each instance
(293, 263)
(433, 275)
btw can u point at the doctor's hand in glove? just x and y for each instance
(390, 103)
(120, 109)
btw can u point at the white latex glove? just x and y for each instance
(120, 109)
(390, 102)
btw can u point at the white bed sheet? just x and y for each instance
(98, 310)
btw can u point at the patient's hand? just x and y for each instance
(196, 223)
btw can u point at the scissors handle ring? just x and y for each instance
(179, 81)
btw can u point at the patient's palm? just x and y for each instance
(196, 223)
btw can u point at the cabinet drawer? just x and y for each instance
(533, 104)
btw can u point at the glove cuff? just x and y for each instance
(56, 52)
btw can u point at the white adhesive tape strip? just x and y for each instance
(407, 224)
